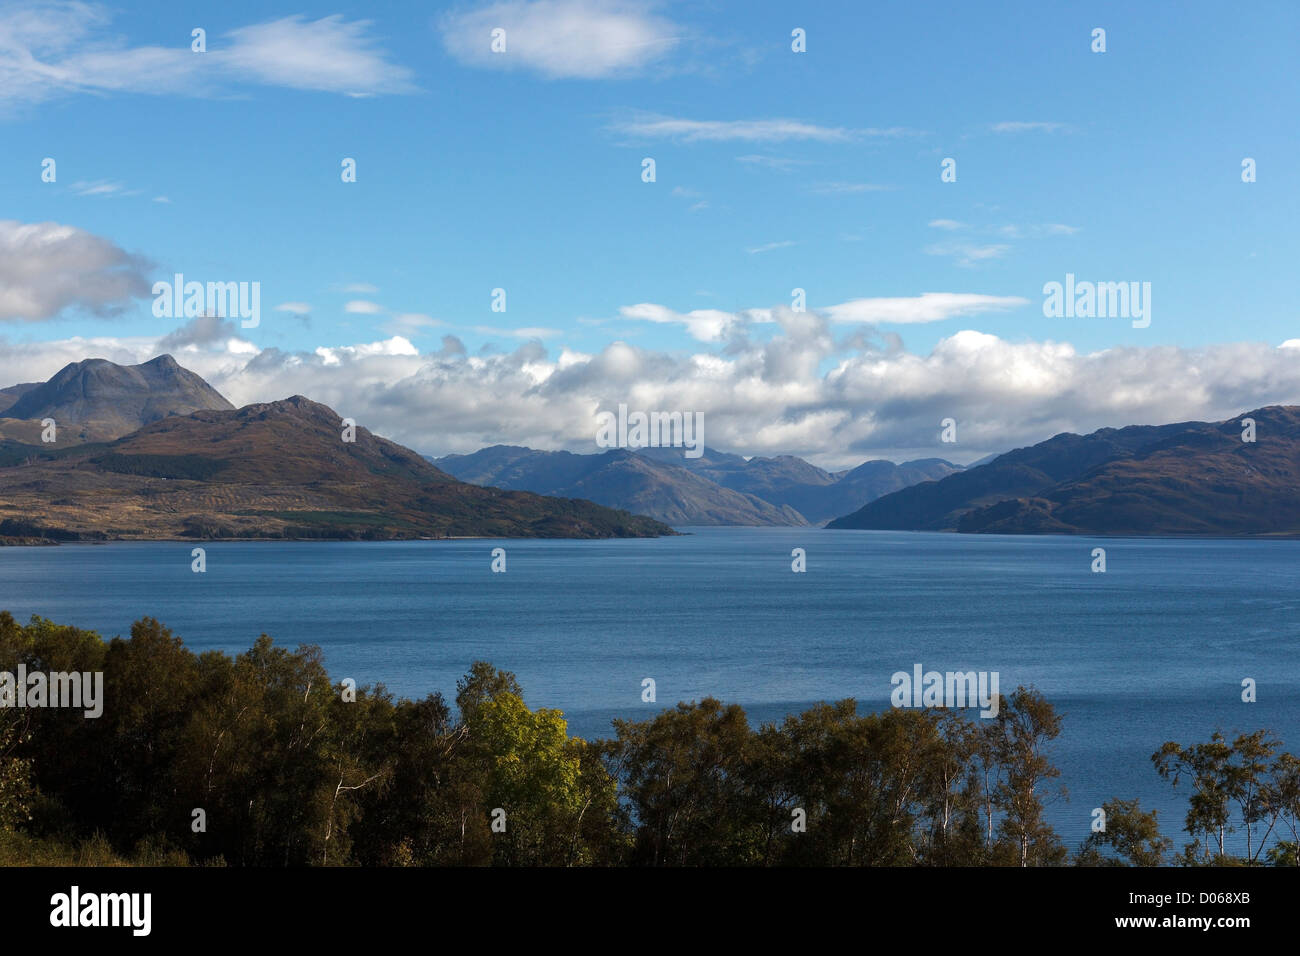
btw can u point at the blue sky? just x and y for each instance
(775, 170)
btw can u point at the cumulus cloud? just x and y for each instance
(46, 267)
(802, 392)
(200, 331)
(583, 39)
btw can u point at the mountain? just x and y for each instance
(618, 478)
(1203, 481)
(791, 482)
(1184, 478)
(274, 470)
(99, 400)
(12, 393)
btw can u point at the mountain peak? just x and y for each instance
(104, 400)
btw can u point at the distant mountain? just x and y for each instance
(791, 482)
(718, 488)
(1202, 481)
(98, 400)
(938, 506)
(280, 469)
(617, 478)
(1185, 478)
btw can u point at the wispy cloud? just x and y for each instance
(949, 224)
(654, 126)
(54, 49)
(842, 189)
(363, 307)
(1020, 126)
(926, 307)
(966, 253)
(102, 188)
(780, 163)
(528, 332)
(582, 39)
(1035, 231)
(331, 54)
(769, 247)
(412, 323)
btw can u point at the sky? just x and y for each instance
(775, 170)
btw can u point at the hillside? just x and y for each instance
(1203, 481)
(1184, 478)
(618, 478)
(791, 482)
(272, 470)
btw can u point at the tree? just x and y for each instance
(1026, 723)
(1133, 837)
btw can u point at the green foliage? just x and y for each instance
(1131, 838)
(289, 769)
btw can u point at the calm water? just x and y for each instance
(1154, 649)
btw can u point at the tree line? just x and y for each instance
(261, 760)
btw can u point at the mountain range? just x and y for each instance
(276, 470)
(153, 451)
(717, 488)
(1190, 478)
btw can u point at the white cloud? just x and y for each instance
(583, 39)
(295, 308)
(363, 307)
(840, 189)
(527, 332)
(801, 393)
(926, 307)
(772, 162)
(653, 126)
(52, 49)
(412, 323)
(361, 288)
(705, 325)
(770, 247)
(1020, 126)
(102, 187)
(46, 267)
(330, 54)
(966, 253)
(396, 346)
(1013, 231)
(949, 224)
